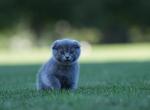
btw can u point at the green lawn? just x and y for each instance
(103, 86)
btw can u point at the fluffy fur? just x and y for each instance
(62, 70)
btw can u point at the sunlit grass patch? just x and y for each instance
(97, 53)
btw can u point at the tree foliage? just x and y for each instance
(114, 17)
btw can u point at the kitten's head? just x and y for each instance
(66, 51)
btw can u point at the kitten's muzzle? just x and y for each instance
(67, 58)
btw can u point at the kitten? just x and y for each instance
(62, 70)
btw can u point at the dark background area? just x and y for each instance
(107, 21)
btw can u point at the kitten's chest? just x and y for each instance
(65, 76)
(65, 70)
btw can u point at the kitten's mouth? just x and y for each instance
(64, 61)
(67, 61)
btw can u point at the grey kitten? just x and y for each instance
(62, 70)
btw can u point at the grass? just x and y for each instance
(113, 77)
(103, 86)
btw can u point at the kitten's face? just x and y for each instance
(66, 51)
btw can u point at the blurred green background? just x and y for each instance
(96, 21)
(32, 25)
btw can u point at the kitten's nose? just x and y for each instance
(67, 57)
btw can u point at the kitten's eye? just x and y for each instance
(61, 51)
(72, 51)
(74, 48)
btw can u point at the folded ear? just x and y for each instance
(76, 43)
(55, 44)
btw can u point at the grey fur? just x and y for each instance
(62, 70)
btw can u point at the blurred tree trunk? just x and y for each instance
(37, 27)
(115, 34)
